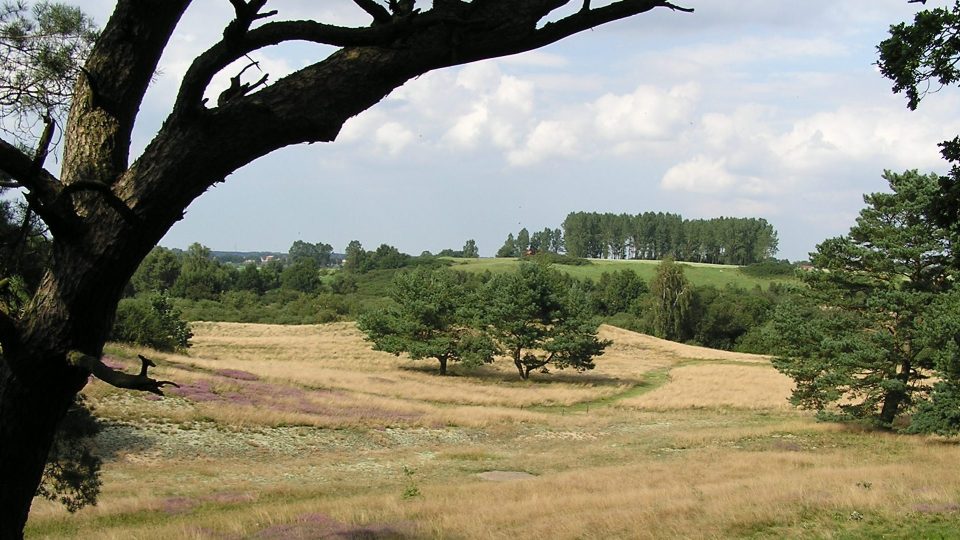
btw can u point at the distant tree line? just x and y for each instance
(548, 240)
(654, 236)
(304, 286)
(469, 251)
(172, 286)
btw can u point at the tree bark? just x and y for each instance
(443, 365)
(893, 399)
(517, 362)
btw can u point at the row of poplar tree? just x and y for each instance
(657, 235)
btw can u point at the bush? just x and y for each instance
(769, 268)
(627, 321)
(556, 258)
(151, 321)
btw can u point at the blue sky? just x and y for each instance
(754, 108)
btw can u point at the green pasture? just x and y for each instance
(700, 274)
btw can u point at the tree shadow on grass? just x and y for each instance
(310, 526)
(489, 374)
(116, 438)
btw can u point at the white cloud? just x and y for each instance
(891, 137)
(481, 77)
(646, 113)
(360, 126)
(736, 207)
(468, 128)
(501, 107)
(548, 139)
(515, 93)
(393, 137)
(699, 175)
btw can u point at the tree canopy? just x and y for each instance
(539, 321)
(858, 341)
(671, 294)
(41, 49)
(921, 58)
(655, 235)
(429, 320)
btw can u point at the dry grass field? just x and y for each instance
(289, 432)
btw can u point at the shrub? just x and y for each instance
(548, 257)
(151, 321)
(769, 268)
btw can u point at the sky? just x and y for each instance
(754, 108)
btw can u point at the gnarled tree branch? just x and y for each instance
(43, 188)
(238, 89)
(120, 379)
(379, 13)
(247, 12)
(120, 67)
(208, 64)
(588, 18)
(22, 168)
(43, 145)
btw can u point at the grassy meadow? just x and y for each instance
(288, 432)
(701, 274)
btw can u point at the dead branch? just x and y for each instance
(21, 168)
(208, 64)
(587, 18)
(43, 146)
(238, 89)
(379, 13)
(119, 379)
(402, 8)
(247, 13)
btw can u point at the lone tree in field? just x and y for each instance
(670, 294)
(428, 321)
(107, 209)
(867, 331)
(537, 320)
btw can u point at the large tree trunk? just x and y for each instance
(71, 311)
(29, 415)
(893, 399)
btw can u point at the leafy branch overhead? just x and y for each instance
(921, 58)
(43, 47)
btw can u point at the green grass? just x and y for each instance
(651, 381)
(699, 274)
